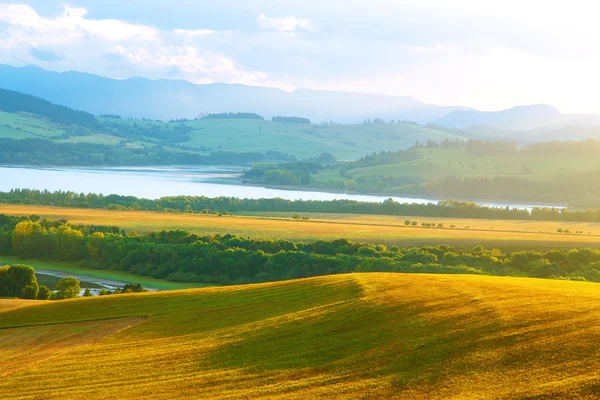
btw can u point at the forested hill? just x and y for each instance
(15, 102)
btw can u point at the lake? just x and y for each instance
(156, 182)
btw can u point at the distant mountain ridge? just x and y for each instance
(176, 99)
(179, 99)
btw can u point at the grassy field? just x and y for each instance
(117, 276)
(345, 141)
(25, 126)
(389, 230)
(6, 304)
(347, 336)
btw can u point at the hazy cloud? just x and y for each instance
(194, 32)
(284, 24)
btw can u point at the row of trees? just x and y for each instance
(292, 120)
(202, 204)
(237, 115)
(227, 259)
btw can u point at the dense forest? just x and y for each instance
(227, 259)
(13, 102)
(205, 205)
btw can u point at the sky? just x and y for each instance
(485, 54)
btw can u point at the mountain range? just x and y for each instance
(177, 99)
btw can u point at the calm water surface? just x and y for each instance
(156, 182)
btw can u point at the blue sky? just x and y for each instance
(485, 54)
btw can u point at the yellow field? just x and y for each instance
(5, 304)
(347, 336)
(504, 234)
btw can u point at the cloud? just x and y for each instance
(72, 22)
(285, 24)
(44, 54)
(481, 54)
(194, 32)
(117, 48)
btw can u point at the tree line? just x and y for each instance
(202, 204)
(205, 205)
(227, 259)
(237, 115)
(292, 120)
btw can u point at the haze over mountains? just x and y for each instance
(177, 99)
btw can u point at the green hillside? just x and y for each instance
(441, 163)
(552, 172)
(28, 117)
(349, 336)
(347, 142)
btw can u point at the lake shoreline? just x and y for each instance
(209, 181)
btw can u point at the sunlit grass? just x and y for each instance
(348, 336)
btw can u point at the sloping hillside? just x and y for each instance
(301, 140)
(27, 117)
(347, 336)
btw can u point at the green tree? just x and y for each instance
(22, 232)
(15, 278)
(68, 288)
(87, 292)
(95, 245)
(30, 291)
(69, 243)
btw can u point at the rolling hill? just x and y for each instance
(28, 117)
(346, 336)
